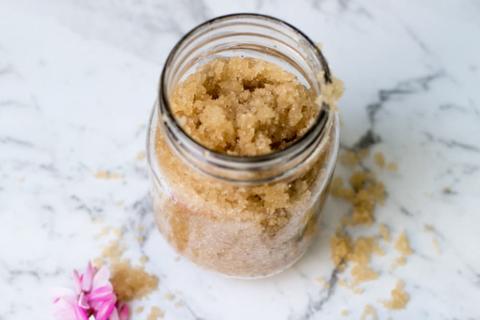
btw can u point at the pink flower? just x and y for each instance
(93, 298)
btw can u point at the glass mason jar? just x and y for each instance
(243, 216)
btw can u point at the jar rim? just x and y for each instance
(184, 144)
(320, 121)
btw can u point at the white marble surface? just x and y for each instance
(78, 79)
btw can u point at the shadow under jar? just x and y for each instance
(243, 216)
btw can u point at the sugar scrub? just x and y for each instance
(242, 107)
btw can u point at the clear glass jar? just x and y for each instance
(211, 207)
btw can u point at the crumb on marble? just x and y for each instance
(379, 159)
(107, 175)
(113, 251)
(392, 167)
(344, 312)
(369, 312)
(143, 260)
(131, 282)
(364, 193)
(384, 232)
(436, 246)
(399, 261)
(428, 227)
(323, 282)
(398, 297)
(155, 313)
(103, 232)
(139, 309)
(169, 296)
(340, 248)
(117, 232)
(141, 239)
(403, 245)
(140, 156)
(358, 253)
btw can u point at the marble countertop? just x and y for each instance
(78, 80)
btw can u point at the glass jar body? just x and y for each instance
(213, 212)
(225, 227)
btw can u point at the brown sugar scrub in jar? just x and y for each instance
(242, 144)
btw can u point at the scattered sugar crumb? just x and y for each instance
(323, 282)
(340, 248)
(98, 262)
(155, 313)
(141, 228)
(363, 248)
(117, 232)
(358, 252)
(113, 251)
(384, 232)
(351, 286)
(379, 159)
(369, 312)
(392, 167)
(179, 304)
(338, 190)
(349, 158)
(107, 175)
(169, 296)
(398, 297)
(140, 156)
(448, 190)
(103, 232)
(436, 246)
(364, 193)
(143, 260)
(363, 273)
(141, 239)
(357, 290)
(131, 282)
(403, 245)
(139, 309)
(344, 312)
(399, 261)
(429, 228)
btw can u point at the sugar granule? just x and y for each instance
(398, 297)
(131, 282)
(155, 313)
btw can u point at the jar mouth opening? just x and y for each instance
(173, 128)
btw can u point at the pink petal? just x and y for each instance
(97, 304)
(101, 278)
(105, 310)
(124, 311)
(80, 313)
(62, 293)
(82, 301)
(114, 315)
(102, 294)
(77, 281)
(64, 310)
(88, 278)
